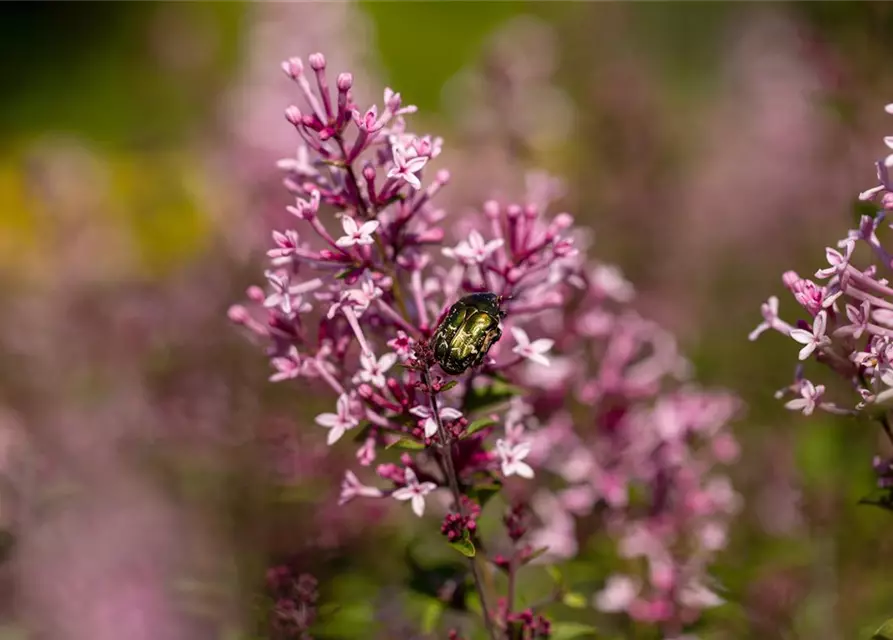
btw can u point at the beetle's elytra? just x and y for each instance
(467, 332)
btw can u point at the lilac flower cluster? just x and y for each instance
(849, 325)
(294, 608)
(577, 387)
(632, 444)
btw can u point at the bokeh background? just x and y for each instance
(151, 474)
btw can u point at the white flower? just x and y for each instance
(374, 369)
(697, 596)
(512, 458)
(813, 339)
(351, 488)
(619, 593)
(355, 234)
(338, 423)
(810, 396)
(430, 426)
(534, 351)
(287, 297)
(609, 280)
(474, 250)
(415, 492)
(769, 309)
(406, 167)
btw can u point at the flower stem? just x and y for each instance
(446, 451)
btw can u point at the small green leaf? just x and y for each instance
(490, 396)
(477, 425)
(572, 631)
(574, 600)
(464, 546)
(555, 573)
(362, 432)
(341, 275)
(407, 443)
(885, 632)
(483, 493)
(449, 385)
(432, 615)
(536, 554)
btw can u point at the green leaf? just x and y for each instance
(464, 546)
(362, 432)
(449, 385)
(477, 425)
(432, 615)
(341, 275)
(490, 396)
(885, 632)
(536, 554)
(575, 600)
(483, 493)
(555, 573)
(407, 443)
(572, 631)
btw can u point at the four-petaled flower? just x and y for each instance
(812, 339)
(402, 344)
(374, 369)
(414, 491)
(287, 367)
(355, 234)
(430, 425)
(351, 487)
(511, 458)
(338, 423)
(534, 351)
(474, 250)
(610, 282)
(769, 309)
(618, 594)
(406, 167)
(810, 395)
(837, 260)
(286, 245)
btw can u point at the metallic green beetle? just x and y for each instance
(466, 334)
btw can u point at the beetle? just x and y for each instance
(467, 332)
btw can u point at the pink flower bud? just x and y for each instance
(293, 115)
(491, 209)
(345, 81)
(317, 61)
(255, 294)
(293, 68)
(238, 314)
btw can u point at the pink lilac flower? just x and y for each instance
(853, 344)
(338, 423)
(373, 370)
(812, 339)
(430, 424)
(534, 351)
(383, 289)
(415, 492)
(474, 250)
(407, 167)
(617, 595)
(355, 234)
(511, 458)
(810, 395)
(351, 487)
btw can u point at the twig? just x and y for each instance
(446, 452)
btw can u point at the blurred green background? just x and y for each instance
(710, 146)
